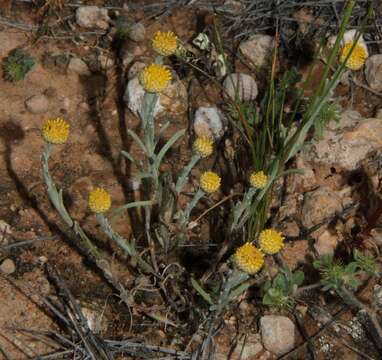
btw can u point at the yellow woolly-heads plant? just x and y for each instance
(357, 58)
(56, 131)
(248, 258)
(99, 200)
(258, 179)
(155, 78)
(210, 182)
(165, 43)
(203, 146)
(359, 53)
(271, 241)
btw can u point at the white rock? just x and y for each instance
(37, 104)
(91, 17)
(241, 87)
(209, 121)
(258, 49)
(277, 333)
(137, 32)
(8, 267)
(347, 143)
(173, 100)
(134, 95)
(78, 66)
(373, 72)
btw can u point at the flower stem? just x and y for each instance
(187, 212)
(123, 243)
(185, 172)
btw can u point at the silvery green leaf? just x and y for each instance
(185, 172)
(138, 140)
(174, 138)
(132, 205)
(238, 291)
(127, 155)
(162, 131)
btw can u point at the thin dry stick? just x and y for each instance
(214, 206)
(355, 82)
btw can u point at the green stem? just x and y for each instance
(55, 196)
(242, 206)
(185, 172)
(187, 212)
(122, 243)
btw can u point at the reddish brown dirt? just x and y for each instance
(90, 158)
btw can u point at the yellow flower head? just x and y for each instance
(56, 131)
(164, 43)
(271, 241)
(155, 78)
(203, 146)
(99, 200)
(357, 58)
(248, 258)
(258, 179)
(210, 182)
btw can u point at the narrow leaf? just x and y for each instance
(168, 145)
(132, 205)
(201, 291)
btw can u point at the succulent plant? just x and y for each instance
(17, 65)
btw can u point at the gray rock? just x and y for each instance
(258, 49)
(241, 87)
(277, 333)
(37, 104)
(92, 17)
(345, 144)
(378, 114)
(78, 66)
(209, 121)
(8, 267)
(137, 32)
(373, 72)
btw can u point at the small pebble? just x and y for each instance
(8, 267)
(92, 17)
(78, 66)
(137, 32)
(37, 104)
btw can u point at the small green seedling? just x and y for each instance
(17, 65)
